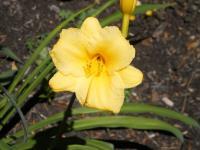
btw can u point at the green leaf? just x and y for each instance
(145, 108)
(3, 102)
(9, 53)
(24, 146)
(127, 108)
(64, 14)
(6, 76)
(139, 10)
(112, 122)
(13, 102)
(101, 145)
(164, 112)
(4, 146)
(127, 122)
(80, 147)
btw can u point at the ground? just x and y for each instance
(168, 53)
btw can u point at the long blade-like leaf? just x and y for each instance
(145, 108)
(127, 108)
(101, 145)
(24, 146)
(127, 122)
(112, 121)
(9, 53)
(7, 74)
(4, 146)
(81, 147)
(14, 104)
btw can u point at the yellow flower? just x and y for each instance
(94, 62)
(127, 6)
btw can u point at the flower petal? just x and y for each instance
(60, 82)
(91, 27)
(106, 93)
(69, 53)
(131, 76)
(82, 87)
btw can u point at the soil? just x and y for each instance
(168, 53)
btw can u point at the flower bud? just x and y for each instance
(127, 6)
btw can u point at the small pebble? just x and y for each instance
(167, 101)
(54, 8)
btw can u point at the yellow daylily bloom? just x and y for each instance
(94, 62)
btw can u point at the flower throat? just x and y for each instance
(94, 66)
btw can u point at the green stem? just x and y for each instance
(125, 25)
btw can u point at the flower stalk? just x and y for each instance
(127, 8)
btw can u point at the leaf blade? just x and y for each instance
(4, 146)
(9, 53)
(127, 122)
(101, 145)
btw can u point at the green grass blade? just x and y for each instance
(127, 122)
(127, 108)
(24, 146)
(80, 147)
(4, 146)
(5, 78)
(101, 145)
(9, 53)
(30, 78)
(7, 74)
(139, 10)
(25, 94)
(14, 104)
(160, 111)
(145, 108)
(112, 122)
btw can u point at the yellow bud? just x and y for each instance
(132, 18)
(149, 13)
(127, 6)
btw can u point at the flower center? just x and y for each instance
(94, 66)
